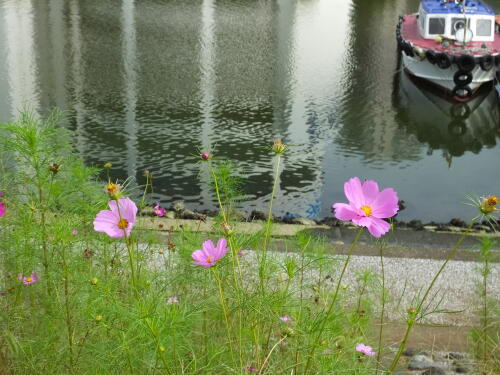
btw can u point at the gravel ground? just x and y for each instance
(455, 290)
(457, 285)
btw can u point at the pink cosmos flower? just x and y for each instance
(367, 206)
(74, 232)
(285, 319)
(158, 210)
(209, 255)
(250, 369)
(172, 300)
(365, 349)
(2, 209)
(109, 221)
(28, 280)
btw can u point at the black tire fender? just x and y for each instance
(487, 62)
(466, 62)
(462, 92)
(431, 56)
(443, 60)
(462, 78)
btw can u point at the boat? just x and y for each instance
(455, 45)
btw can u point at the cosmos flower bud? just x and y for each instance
(227, 228)
(108, 165)
(54, 168)
(113, 190)
(278, 147)
(171, 245)
(94, 281)
(98, 318)
(206, 156)
(488, 205)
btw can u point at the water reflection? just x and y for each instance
(18, 23)
(452, 127)
(148, 84)
(130, 81)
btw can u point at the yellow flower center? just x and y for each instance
(209, 260)
(367, 210)
(112, 188)
(29, 279)
(123, 224)
(492, 201)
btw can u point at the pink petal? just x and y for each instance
(2, 209)
(385, 211)
(221, 247)
(208, 247)
(198, 255)
(112, 206)
(344, 212)
(362, 221)
(378, 227)
(106, 221)
(360, 348)
(370, 191)
(128, 209)
(354, 192)
(386, 204)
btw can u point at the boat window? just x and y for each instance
(457, 24)
(436, 25)
(483, 27)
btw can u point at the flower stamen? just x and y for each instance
(367, 210)
(123, 224)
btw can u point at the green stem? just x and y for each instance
(330, 308)
(145, 191)
(130, 250)
(69, 325)
(157, 344)
(226, 315)
(234, 260)
(382, 312)
(270, 212)
(263, 260)
(412, 320)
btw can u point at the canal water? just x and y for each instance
(148, 84)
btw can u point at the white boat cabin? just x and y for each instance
(445, 18)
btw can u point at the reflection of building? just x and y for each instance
(368, 117)
(452, 127)
(18, 26)
(311, 45)
(138, 99)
